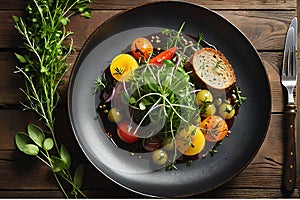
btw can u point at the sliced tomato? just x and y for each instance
(214, 128)
(165, 55)
(190, 142)
(126, 132)
(122, 67)
(141, 48)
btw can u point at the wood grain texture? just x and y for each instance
(265, 29)
(219, 4)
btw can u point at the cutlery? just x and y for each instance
(294, 24)
(289, 80)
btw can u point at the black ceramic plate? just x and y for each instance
(234, 154)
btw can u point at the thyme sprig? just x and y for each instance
(43, 59)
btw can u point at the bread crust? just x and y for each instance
(210, 69)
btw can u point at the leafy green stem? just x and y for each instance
(60, 185)
(43, 57)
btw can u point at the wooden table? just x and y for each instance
(264, 22)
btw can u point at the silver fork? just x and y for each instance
(289, 81)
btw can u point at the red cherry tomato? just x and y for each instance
(165, 55)
(141, 48)
(125, 132)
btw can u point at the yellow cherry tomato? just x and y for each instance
(122, 67)
(204, 96)
(190, 142)
(114, 115)
(160, 157)
(207, 110)
(226, 111)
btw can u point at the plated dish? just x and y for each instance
(168, 98)
(114, 38)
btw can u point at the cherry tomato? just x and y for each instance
(208, 110)
(141, 48)
(160, 157)
(204, 96)
(114, 115)
(122, 66)
(214, 128)
(190, 142)
(125, 133)
(226, 110)
(165, 55)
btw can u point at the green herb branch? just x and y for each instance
(43, 58)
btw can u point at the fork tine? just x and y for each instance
(289, 62)
(284, 64)
(294, 71)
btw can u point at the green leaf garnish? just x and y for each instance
(36, 134)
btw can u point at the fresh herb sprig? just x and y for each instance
(46, 46)
(186, 47)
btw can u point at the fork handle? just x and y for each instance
(289, 164)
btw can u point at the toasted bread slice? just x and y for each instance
(212, 68)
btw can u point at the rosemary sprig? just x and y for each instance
(43, 59)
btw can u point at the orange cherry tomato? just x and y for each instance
(214, 128)
(141, 48)
(125, 133)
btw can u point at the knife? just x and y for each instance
(289, 80)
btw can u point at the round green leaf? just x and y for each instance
(31, 149)
(48, 144)
(21, 140)
(36, 134)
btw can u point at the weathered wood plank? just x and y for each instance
(102, 193)
(115, 193)
(221, 4)
(265, 29)
(245, 193)
(231, 4)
